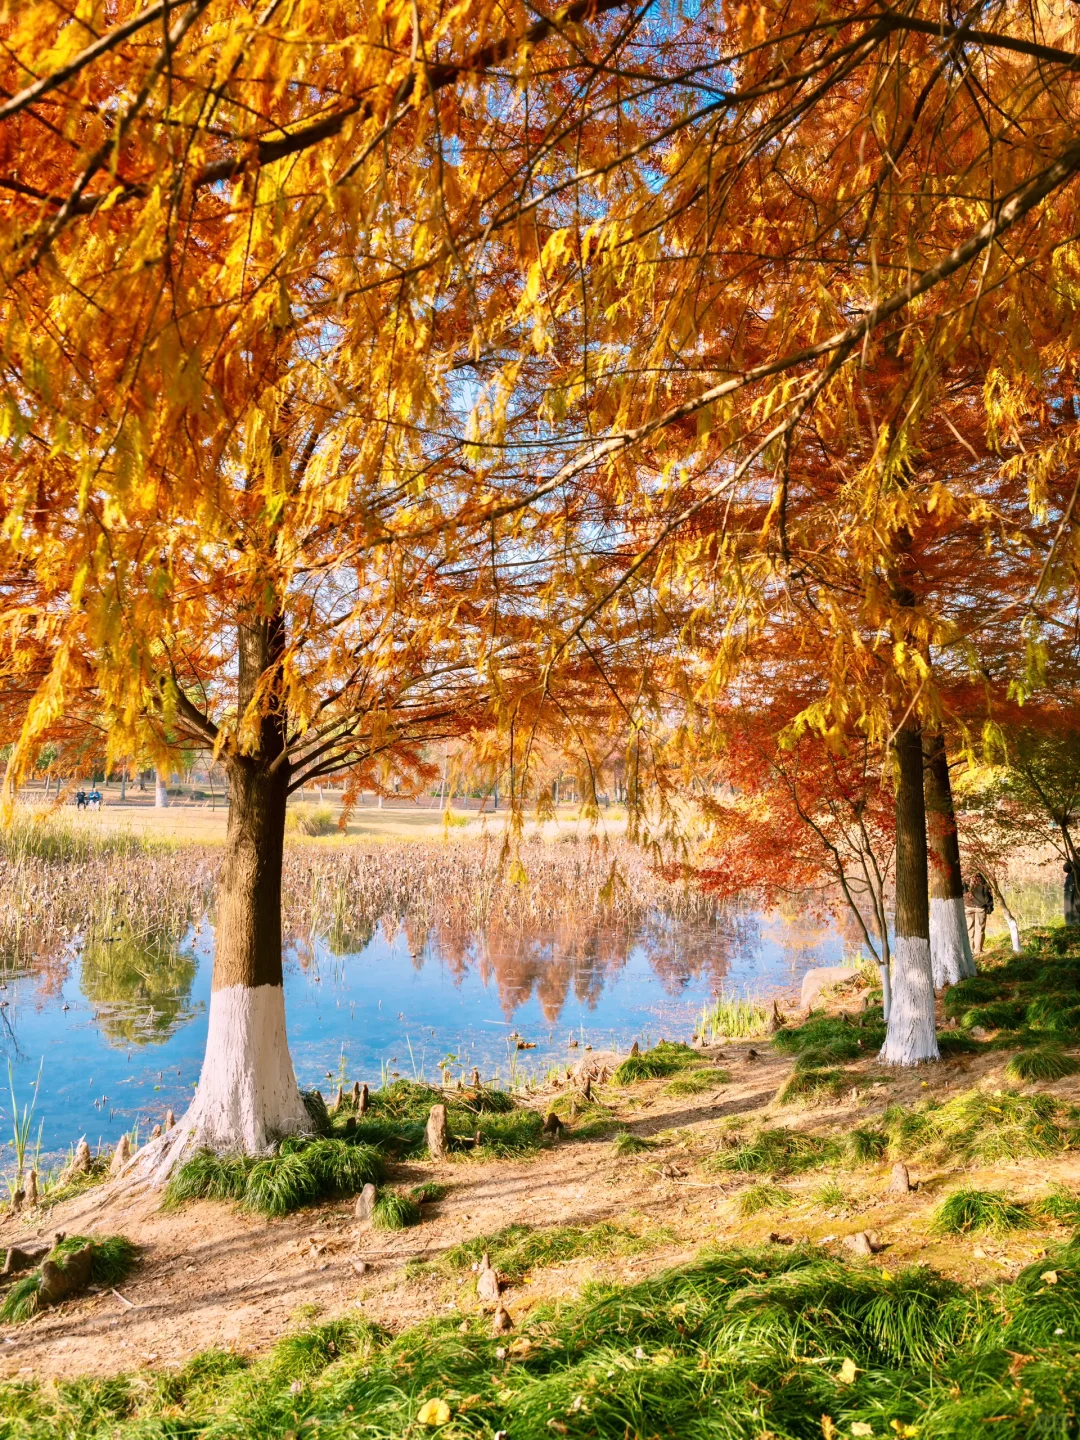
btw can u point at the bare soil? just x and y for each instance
(211, 1276)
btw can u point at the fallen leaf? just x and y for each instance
(904, 1430)
(1049, 1277)
(828, 1429)
(848, 1372)
(434, 1412)
(860, 1427)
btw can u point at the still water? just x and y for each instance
(119, 1034)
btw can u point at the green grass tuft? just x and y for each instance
(763, 1196)
(302, 1172)
(627, 1143)
(834, 1038)
(997, 1015)
(777, 1152)
(519, 1249)
(810, 1087)
(666, 1058)
(1045, 1062)
(735, 1019)
(978, 1127)
(1061, 1206)
(831, 1196)
(695, 1082)
(867, 1144)
(394, 1211)
(967, 1211)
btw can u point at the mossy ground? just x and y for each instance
(648, 1296)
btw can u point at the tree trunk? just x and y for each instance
(911, 1037)
(123, 785)
(951, 959)
(247, 1097)
(161, 791)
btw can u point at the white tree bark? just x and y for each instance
(161, 792)
(911, 1037)
(950, 947)
(247, 1097)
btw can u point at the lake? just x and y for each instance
(119, 1034)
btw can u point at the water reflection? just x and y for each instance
(122, 1026)
(139, 986)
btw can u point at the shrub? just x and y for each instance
(305, 819)
(967, 1210)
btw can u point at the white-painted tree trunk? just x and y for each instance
(247, 1097)
(950, 947)
(911, 1037)
(1014, 933)
(161, 792)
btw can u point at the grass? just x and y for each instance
(1044, 1062)
(394, 1211)
(1061, 1206)
(763, 1196)
(397, 1114)
(517, 1250)
(112, 1258)
(741, 1343)
(777, 1152)
(832, 1039)
(831, 1196)
(666, 1058)
(977, 1126)
(970, 1211)
(813, 1087)
(302, 1172)
(735, 1019)
(867, 1144)
(695, 1082)
(627, 1143)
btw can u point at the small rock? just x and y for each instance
(863, 1242)
(365, 1203)
(501, 1321)
(438, 1139)
(751, 1054)
(121, 1155)
(900, 1183)
(360, 1266)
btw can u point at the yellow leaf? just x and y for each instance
(847, 1372)
(434, 1412)
(828, 1429)
(1049, 1277)
(860, 1427)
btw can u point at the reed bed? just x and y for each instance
(61, 888)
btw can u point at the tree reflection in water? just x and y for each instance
(139, 985)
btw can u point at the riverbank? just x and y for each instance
(598, 1208)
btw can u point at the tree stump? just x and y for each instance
(438, 1139)
(155, 1133)
(363, 1101)
(339, 1100)
(356, 1095)
(553, 1126)
(586, 1089)
(900, 1184)
(635, 1049)
(474, 1079)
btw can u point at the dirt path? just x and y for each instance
(211, 1276)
